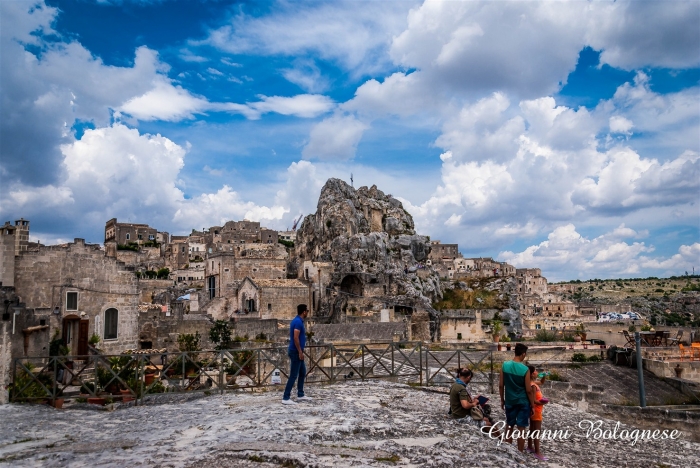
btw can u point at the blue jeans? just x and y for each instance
(298, 369)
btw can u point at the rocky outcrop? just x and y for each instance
(343, 212)
(371, 241)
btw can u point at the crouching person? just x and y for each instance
(462, 406)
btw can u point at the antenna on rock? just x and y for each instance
(352, 182)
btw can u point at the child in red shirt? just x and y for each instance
(533, 444)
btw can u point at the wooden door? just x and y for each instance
(83, 337)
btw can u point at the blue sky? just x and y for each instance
(559, 135)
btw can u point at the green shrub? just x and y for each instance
(594, 358)
(544, 335)
(26, 384)
(188, 342)
(56, 346)
(261, 337)
(579, 357)
(555, 377)
(163, 273)
(94, 339)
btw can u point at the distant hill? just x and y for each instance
(666, 301)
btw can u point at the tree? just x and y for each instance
(188, 342)
(220, 334)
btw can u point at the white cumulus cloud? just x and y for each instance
(336, 137)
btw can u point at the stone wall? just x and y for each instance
(270, 328)
(582, 396)
(150, 288)
(280, 302)
(686, 420)
(611, 332)
(162, 331)
(665, 369)
(147, 257)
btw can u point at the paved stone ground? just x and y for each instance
(621, 386)
(350, 424)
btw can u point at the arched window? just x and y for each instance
(111, 321)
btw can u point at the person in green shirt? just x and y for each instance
(517, 398)
(461, 402)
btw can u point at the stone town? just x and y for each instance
(357, 262)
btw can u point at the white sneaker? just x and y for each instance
(289, 402)
(305, 398)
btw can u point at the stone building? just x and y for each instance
(14, 239)
(129, 233)
(271, 298)
(531, 281)
(317, 274)
(177, 253)
(463, 325)
(240, 232)
(84, 291)
(290, 236)
(224, 269)
(268, 236)
(440, 252)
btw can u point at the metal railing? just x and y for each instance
(139, 377)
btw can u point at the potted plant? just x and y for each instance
(496, 328)
(94, 340)
(149, 376)
(581, 331)
(58, 401)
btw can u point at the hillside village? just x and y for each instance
(357, 262)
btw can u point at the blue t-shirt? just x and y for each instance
(297, 324)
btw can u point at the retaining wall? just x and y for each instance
(683, 419)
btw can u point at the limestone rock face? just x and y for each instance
(343, 212)
(368, 235)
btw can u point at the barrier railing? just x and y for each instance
(139, 376)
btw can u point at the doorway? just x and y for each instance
(75, 335)
(212, 287)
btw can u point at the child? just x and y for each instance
(533, 445)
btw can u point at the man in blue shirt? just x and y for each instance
(297, 343)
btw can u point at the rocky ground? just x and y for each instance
(350, 424)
